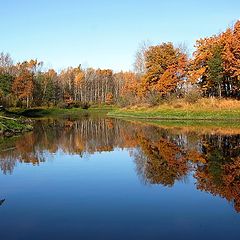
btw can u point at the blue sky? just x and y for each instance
(105, 33)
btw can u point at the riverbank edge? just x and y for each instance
(10, 126)
(54, 111)
(150, 113)
(15, 121)
(177, 114)
(166, 116)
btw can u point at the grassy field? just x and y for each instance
(204, 109)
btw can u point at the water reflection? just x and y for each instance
(161, 156)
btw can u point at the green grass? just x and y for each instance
(42, 112)
(180, 109)
(13, 126)
(177, 114)
(55, 112)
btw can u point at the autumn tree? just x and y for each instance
(231, 57)
(23, 83)
(206, 66)
(165, 68)
(109, 98)
(215, 65)
(129, 90)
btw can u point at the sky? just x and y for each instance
(107, 33)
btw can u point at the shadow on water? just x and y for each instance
(162, 156)
(2, 201)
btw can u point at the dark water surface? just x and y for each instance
(99, 178)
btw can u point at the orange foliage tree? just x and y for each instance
(23, 83)
(165, 68)
(215, 66)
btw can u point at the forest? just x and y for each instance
(160, 72)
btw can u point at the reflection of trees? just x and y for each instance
(160, 162)
(22, 150)
(220, 175)
(215, 158)
(82, 137)
(161, 156)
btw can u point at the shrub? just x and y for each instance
(153, 98)
(85, 105)
(62, 105)
(76, 104)
(123, 102)
(192, 96)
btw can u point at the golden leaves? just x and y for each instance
(166, 66)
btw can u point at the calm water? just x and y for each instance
(97, 178)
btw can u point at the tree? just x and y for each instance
(49, 87)
(165, 67)
(215, 66)
(208, 51)
(139, 64)
(130, 87)
(231, 57)
(109, 98)
(6, 83)
(215, 69)
(23, 83)
(6, 63)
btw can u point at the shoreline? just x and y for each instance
(178, 114)
(14, 126)
(15, 121)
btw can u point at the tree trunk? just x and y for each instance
(219, 90)
(27, 101)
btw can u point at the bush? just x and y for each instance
(123, 102)
(153, 99)
(192, 96)
(76, 104)
(62, 105)
(170, 98)
(85, 105)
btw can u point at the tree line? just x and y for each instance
(159, 72)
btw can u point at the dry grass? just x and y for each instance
(204, 108)
(203, 103)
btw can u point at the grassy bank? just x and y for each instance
(204, 109)
(13, 126)
(16, 120)
(193, 126)
(61, 112)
